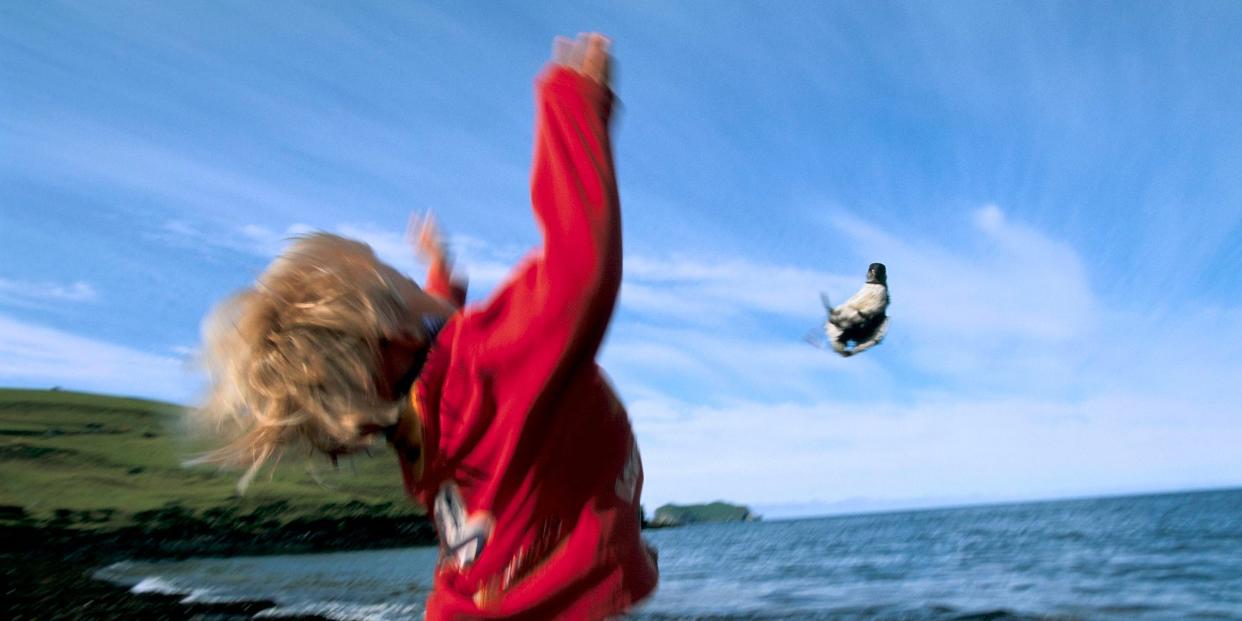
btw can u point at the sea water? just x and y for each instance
(1173, 556)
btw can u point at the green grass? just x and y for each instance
(106, 459)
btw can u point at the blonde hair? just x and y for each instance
(294, 359)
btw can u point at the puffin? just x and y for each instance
(861, 320)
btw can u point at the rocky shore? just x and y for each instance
(44, 589)
(46, 568)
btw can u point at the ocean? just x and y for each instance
(1169, 556)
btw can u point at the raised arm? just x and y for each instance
(574, 190)
(553, 311)
(424, 235)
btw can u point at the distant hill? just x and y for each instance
(84, 464)
(679, 515)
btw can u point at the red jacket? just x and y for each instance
(518, 416)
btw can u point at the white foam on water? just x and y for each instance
(382, 585)
(189, 595)
(156, 584)
(211, 596)
(341, 611)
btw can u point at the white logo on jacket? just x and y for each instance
(462, 536)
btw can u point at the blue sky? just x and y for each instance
(1054, 188)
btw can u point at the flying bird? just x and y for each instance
(860, 320)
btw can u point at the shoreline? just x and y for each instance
(48, 571)
(60, 589)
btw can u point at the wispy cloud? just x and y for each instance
(1005, 304)
(207, 237)
(1001, 280)
(718, 365)
(1004, 309)
(38, 356)
(993, 448)
(26, 293)
(1037, 379)
(701, 291)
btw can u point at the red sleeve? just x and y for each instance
(552, 313)
(442, 284)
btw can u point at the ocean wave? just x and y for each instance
(189, 594)
(341, 611)
(156, 584)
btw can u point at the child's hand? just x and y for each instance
(587, 56)
(424, 235)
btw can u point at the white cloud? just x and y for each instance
(1006, 309)
(36, 355)
(686, 289)
(1001, 448)
(1002, 306)
(27, 293)
(990, 218)
(267, 243)
(1038, 389)
(185, 352)
(724, 366)
(207, 237)
(1008, 281)
(1005, 305)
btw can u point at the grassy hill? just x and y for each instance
(75, 462)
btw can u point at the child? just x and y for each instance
(502, 422)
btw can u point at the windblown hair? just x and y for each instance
(293, 360)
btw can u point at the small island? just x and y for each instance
(715, 512)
